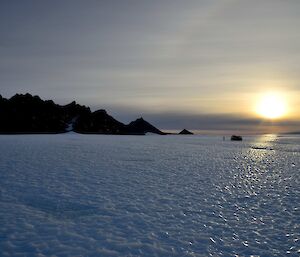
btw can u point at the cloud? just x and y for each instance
(158, 56)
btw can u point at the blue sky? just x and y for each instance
(205, 59)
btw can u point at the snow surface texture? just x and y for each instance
(91, 195)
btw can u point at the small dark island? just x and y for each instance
(185, 132)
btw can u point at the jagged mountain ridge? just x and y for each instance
(25, 113)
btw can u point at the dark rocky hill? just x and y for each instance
(30, 114)
(140, 126)
(185, 132)
(98, 122)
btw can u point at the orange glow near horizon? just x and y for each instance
(272, 105)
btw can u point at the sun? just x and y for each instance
(271, 106)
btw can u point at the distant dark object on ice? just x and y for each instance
(236, 138)
(185, 132)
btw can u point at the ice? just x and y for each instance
(96, 195)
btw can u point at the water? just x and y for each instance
(92, 195)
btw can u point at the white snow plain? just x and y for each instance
(96, 195)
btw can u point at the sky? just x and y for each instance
(199, 64)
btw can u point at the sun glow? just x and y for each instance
(271, 106)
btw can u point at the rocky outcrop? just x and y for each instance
(98, 122)
(185, 132)
(141, 127)
(30, 114)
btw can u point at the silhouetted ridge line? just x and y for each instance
(27, 114)
(98, 122)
